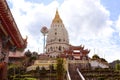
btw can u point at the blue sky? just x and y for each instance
(113, 6)
(46, 2)
(93, 23)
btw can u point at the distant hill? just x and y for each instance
(112, 64)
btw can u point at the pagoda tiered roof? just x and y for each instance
(8, 26)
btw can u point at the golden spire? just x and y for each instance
(57, 18)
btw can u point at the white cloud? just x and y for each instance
(86, 17)
(87, 22)
(30, 17)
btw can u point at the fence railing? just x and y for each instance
(68, 75)
(80, 74)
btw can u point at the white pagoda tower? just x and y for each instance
(57, 38)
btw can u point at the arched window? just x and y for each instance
(55, 33)
(59, 48)
(59, 40)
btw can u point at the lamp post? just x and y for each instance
(44, 31)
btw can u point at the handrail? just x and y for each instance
(69, 78)
(80, 74)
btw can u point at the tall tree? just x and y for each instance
(30, 57)
(28, 53)
(60, 69)
(95, 56)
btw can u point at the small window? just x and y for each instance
(59, 40)
(55, 33)
(59, 48)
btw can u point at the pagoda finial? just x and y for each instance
(57, 11)
(57, 18)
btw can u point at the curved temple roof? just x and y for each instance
(8, 26)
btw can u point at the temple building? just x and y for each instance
(57, 38)
(57, 43)
(10, 37)
(76, 61)
(16, 57)
(77, 53)
(75, 58)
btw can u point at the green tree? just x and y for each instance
(95, 56)
(37, 71)
(117, 66)
(103, 60)
(35, 54)
(43, 71)
(30, 57)
(60, 69)
(28, 53)
(51, 67)
(101, 78)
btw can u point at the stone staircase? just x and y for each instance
(74, 75)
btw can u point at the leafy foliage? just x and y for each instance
(60, 69)
(95, 56)
(28, 53)
(117, 66)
